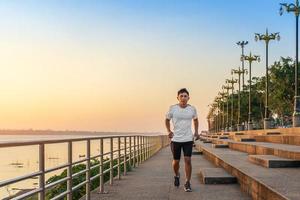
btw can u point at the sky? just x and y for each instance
(117, 65)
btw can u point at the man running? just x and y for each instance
(182, 115)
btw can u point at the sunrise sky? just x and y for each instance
(117, 65)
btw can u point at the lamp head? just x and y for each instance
(281, 8)
(242, 58)
(278, 36)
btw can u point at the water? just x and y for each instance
(17, 161)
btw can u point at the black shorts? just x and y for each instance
(187, 148)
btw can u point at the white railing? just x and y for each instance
(143, 147)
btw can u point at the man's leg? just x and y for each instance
(175, 165)
(176, 151)
(188, 168)
(187, 150)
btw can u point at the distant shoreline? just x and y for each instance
(70, 132)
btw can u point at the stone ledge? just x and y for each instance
(216, 176)
(244, 139)
(271, 161)
(220, 145)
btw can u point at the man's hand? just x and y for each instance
(171, 134)
(196, 124)
(197, 136)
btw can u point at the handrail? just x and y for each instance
(135, 149)
(64, 140)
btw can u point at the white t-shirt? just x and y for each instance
(182, 122)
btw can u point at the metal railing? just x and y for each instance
(136, 149)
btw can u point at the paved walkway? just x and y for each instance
(153, 180)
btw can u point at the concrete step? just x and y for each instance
(220, 145)
(239, 139)
(280, 139)
(257, 181)
(223, 137)
(273, 133)
(263, 148)
(197, 151)
(239, 133)
(216, 176)
(271, 161)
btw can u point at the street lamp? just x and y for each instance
(213, 119)
(214, 105)
(217, 101)
(210, 118)
(267, 38)
(295, 8)
(242, 44)
(227, 88)
(231, 81)
(222, 96)
(250, 59)
(239, 72)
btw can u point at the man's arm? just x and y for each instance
(168, 126)
(196, 126)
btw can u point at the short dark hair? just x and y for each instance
(183, 90)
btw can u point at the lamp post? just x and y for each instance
(222, 100)
(267, 38)
(239, 72)
(227, 88)
(214, 105)
(242, 44)
(294, 8)
(217, 113)
(215, 125)
(231, 81)
(250, 58)
(210, 118)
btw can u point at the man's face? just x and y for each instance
(183, 98)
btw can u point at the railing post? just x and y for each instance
(147, 147)
(119, 158)
(130, 152)
(69, 171)
(42, 170)
(125, 155)
(141, 148)
(101, 186)
(145, 138)
(138, 150)
(111, 162)
(151, 146)
(144, 149)
(134, 151)
(88, 168)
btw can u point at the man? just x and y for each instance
(182, 115)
